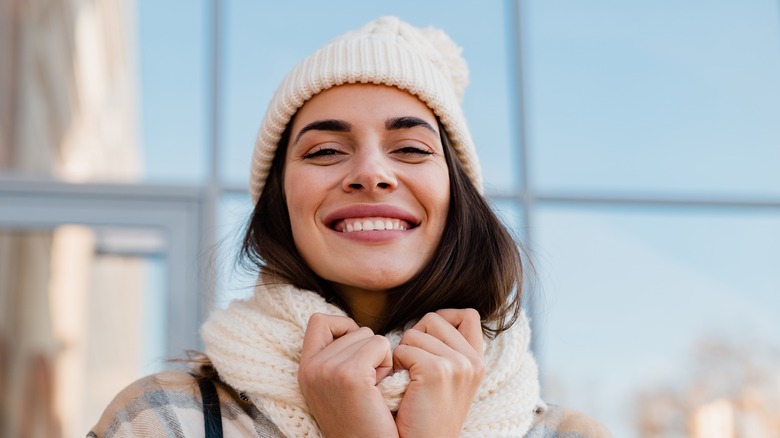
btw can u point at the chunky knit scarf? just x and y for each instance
(255, 346)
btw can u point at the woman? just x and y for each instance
(388, 301)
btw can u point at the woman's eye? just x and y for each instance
(321, 152)
(414, 151)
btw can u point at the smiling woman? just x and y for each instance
(388, 300)
(386, 167)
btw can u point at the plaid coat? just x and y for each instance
(168, 404)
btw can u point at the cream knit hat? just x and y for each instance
(424, 62)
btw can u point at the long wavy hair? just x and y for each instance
(477, 264)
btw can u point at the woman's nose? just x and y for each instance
(370, 171)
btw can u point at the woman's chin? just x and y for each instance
(373, 281)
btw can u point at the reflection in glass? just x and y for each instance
(234, 280)
(653, 97)
(654, 319)
(173, 45)
(68, 91)
(76, 325)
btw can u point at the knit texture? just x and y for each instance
(255, 346)
(424, 62)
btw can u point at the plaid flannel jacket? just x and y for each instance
(168, 404)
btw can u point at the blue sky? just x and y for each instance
(654, 98)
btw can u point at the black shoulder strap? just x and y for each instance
(212, 416)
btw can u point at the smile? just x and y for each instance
(352, 225)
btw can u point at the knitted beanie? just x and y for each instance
(424, 62)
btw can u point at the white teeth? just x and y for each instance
(373, 224)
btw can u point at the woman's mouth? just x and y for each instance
(351, 225)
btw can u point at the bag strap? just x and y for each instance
(212, 416)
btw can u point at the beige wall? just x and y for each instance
(68, 109)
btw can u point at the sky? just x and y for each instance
(669, 99)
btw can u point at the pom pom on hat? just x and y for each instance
(448, 59)
(423, 62)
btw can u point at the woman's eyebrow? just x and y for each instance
(406, 123)
(324, 125)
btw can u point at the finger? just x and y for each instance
(345, 345)
(454, 330)
(348, 347)
(430, 343)
(429, 359)
(409, 357)
(354, 358)
(422, 363)
(341, 342)
(468, 323)
(322, 330)
(354, 351)
(377, 352)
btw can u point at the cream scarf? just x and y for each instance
(255, 346)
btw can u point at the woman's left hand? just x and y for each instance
(443, 353)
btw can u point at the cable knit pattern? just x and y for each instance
(255, 345)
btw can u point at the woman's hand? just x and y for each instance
(443, 353)
(341, 364)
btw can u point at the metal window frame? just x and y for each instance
(176, 212)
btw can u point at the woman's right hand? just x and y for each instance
(341, 364)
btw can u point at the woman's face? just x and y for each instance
(367, 186)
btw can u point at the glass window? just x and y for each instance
(79, 323)
(636, 302)
(69, 92)
(107, 92)
(653, 97)
(510, 213)
(173, 52)
(234, 279)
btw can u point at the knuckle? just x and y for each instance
(462, 363)
(364, 333)
(380, 341)
(479, 371)
(343, 376)
(430, 316)
(307, 373)
(472, 314)
(317, 318)
(410, 335)
(442, 370)
(468, 368)
(341, 373)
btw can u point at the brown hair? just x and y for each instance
(476, 264)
